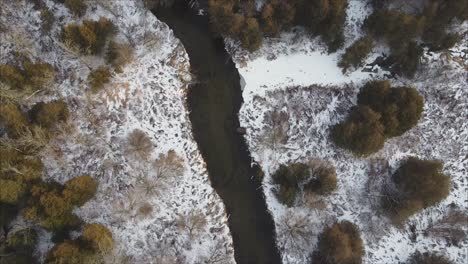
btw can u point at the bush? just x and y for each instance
(290, 178)
(323, 179)
(276, 16)
(12, 191)
(48, 115)
(356, 53)
(13, 119)
(30, 77)
(362, 132)
(77, 7)
(80, 189)
(90, 37)
(68, 252)
(98, 78)
(250, 35)
(48, 207)
(428, 258)
(400, 108)
(118, 55)
(98, 237)
(24, 239)
(420, 184)
(48, 19)
(340, 244)
(325, 18)
(405, 59)
(395, 27)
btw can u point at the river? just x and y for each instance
(214, 102)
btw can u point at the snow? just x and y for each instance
(150, 96)
(294, 74)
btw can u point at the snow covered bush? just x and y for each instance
(89, 37)
(98, 78)
(48, 19)
(340, 243)
(419, 184)
(49, 115)
(428, 258)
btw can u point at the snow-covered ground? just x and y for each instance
(294, 74)
(153, 219)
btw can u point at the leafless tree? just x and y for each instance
(295, 230)
(194, 222)
(169, 165)
(139, 144)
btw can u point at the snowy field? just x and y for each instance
(293, 74)
(153, 219)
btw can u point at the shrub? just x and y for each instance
(356, 53)
(362, 132)
(48, 19)
(428, 258)
(11, 192)
(48, 207)
(90, 37)
(405, 59)
(13, 119)
(24, 239)
(275, 16)
(67, 252)
(400, 108)
(48, 115)
(98, 78)
(11, 76)
(139, 144)
(323, 179)
(250, 35)
(340, 244)
(118, 55)
(325, 18)
(31, 76)
(80, 189)
(420, 184)
(395, 27)
(77, 7)
(98, 237)
(290, 178)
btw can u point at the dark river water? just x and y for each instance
(214, 102)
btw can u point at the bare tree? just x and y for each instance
(139, 144)
(295, 230)
(169, 165)
(194, 222)
(276, 129)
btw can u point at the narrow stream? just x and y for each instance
(214, 102)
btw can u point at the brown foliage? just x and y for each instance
(98, 237)
(362, 132)
(48, 115)
(356, 53)
(340, 244)
(13, 119)
(98, 78)
(119, 54)
(323, 179)
(428, 258)
(80, 189)
(90, 37)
